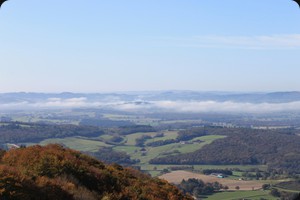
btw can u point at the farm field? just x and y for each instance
(236, 195)
(130, 139)
(169, 149)
(241, 167)
(177, 176)
(167, 135)
(129, 146)
(159, 168)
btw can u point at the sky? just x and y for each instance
(149, 45)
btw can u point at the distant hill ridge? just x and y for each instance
(250, 97)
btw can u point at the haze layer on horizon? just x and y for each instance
(169, 102)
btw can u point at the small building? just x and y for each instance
(218, 175)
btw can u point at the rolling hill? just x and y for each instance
(53, 172)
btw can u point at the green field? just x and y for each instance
(90, 145)
(236, 195)
(130, 139)
(106, 137)
(131, 150)
(84, 144)
(165, 150)
(167, 135)
(241, 167)
(170, 149)
(156, 170)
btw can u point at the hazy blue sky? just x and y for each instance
(130, 45)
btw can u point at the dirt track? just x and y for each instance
(178, 176)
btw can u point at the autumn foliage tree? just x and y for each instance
(54, 172)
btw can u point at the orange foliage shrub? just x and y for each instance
(53, 172)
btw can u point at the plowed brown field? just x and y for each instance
(177, 176)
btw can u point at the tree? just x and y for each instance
(266, 186)
(274, 192)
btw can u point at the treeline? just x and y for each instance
(161, 142)
(18, 132)
(110, 156)
(102, 122)
(189, 134)
(279, 149)
(21, 132)
(284, 195)
(183, 135)
(53, 172)
(126, 130)
(140, 141)
(115, 140)
(289, 185)
(197, 187)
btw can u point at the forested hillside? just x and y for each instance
(53, 172)
(278, 149)
(19, 132)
